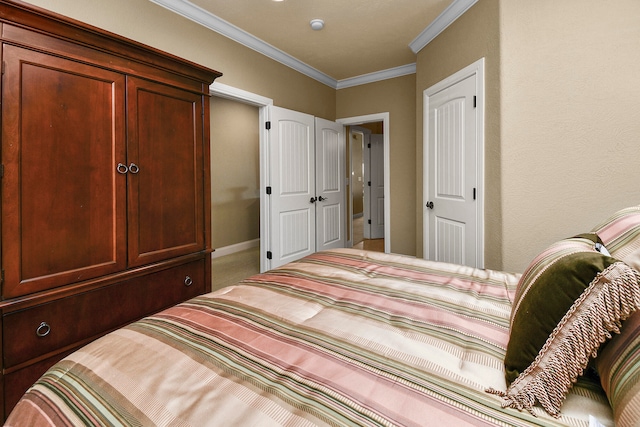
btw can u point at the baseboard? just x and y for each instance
(231, 249)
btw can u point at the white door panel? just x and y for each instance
(452, 174)
(330, 185)
(292, 166)
(296, 228)
(306, 169)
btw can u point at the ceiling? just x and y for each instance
(361, 39)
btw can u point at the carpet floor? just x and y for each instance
(230, 269)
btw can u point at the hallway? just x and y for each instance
(359, 242)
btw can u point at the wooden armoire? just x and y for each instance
(105, 192)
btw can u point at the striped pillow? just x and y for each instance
(621, 235)
(568, 301)
(619, 367)
(619, 362)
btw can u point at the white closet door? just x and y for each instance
(306, 186)
(451, 205)
(292, 218)
(330, 185)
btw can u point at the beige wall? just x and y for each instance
(570, 121)
(395, 97)
(473, 36)
(561, 121)
(243, 68)
(235, 172)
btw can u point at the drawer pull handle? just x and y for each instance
(43, 330)
(188, 281)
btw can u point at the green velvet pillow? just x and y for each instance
(568, 301)
(547, 290)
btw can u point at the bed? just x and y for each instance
(341, 337)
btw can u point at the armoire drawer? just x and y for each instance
(16, 383)
(48, 327)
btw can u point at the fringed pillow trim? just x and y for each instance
(608, 300)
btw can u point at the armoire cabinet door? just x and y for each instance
(166, 172)
(63, 201)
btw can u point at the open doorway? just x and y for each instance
(372, 124)
(233, 260)
(367, 186)
(235, 191)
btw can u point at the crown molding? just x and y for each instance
(205, 18)
(377, 76)
(446, 18)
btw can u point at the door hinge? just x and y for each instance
(269, 190)
(474, 193)
(369, 221)
(267, 125)
(369, 145)
(3, 66)
(1, 171)
(475, 100)
(269, 255)
(369, 183)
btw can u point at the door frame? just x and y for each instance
(384, 118)
(264, 113)
(475, 69)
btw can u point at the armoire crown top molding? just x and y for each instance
(205, 18)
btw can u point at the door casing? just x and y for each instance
(384, 118)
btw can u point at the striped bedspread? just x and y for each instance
(339, 338)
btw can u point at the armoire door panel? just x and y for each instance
(63, 202)
(165, 144)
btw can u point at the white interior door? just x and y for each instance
(330, 185)
(306, 186)
(452, 175)
(292, 218)
(376, 184)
